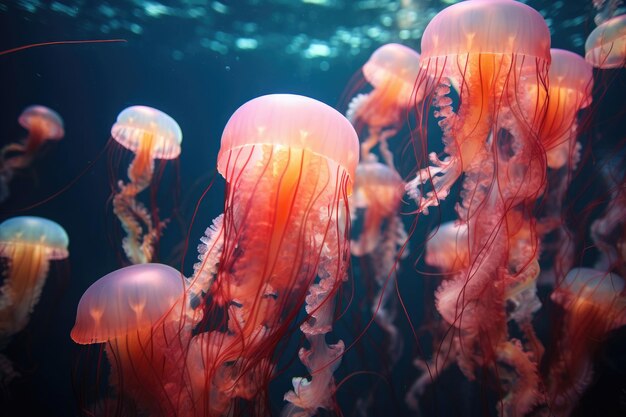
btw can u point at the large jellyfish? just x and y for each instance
(43, 124)
(391, 70)
(494, 53)
(606, 45)
(28, 244)
(150, 134)
(594, 305)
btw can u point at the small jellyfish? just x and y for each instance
(606, 45)
(571, 84)
(150, 134)
(378, 192)
(43, 124)
(28, 244)
(391, 70)
(594, 305)
(447, 248)
(127, 309)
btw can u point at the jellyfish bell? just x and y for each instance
(29, 244)
(42, 124)
(131, 310)
(605, 47)
(447, 247)
(150, 134)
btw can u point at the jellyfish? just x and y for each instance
(27, 244)
(378, 192)
(127, 310)
(571, 83)
(391, 70)
(150, 134)
(594, 305)
(494, 53)
(43, 124)
(606, 45)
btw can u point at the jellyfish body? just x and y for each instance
(128, 310)
(606, 45)
(289, 163)
(150, 134)
(391, 70)
(494, 53)
(594, 305)
(28, 244)
(43, 124)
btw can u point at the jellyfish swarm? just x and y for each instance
(594, 304)
(494, 53)
(282, 242)
(150, 134)
(27, 244)
(43, 124)
(391, 70)
(606, 45)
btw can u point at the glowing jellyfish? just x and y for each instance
(447, 249)
(150, 134)
(29, 244)
(391, 70)
(43, 124)
(127, 309)
(594, 305)
(571, 84)
(606, 45)
(494, 53)
(289, 163)
(378, 192)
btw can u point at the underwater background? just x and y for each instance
(198, 61)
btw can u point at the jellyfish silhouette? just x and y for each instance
(150, 134)
(43, 124)
(391, 70)
(494, 53)
(606, 45)
(594, 305)
(28, 244)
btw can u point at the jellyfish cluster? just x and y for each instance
(456, 167)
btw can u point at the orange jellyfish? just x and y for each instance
(391, 70)
(494, 53)
(594, 304)
(28, 244)
(606, 45)
(128, 310)
(570, 88)
(43, 124)
(378, 192)
(289, 163)
(150, 134)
